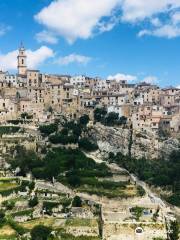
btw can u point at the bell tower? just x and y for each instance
(22, 68)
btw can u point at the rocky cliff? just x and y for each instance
(127, 141)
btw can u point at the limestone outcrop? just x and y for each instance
(124, 140)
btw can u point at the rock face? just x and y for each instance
(113, 139)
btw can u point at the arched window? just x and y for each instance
(22, 61)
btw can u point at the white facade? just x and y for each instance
(78, 80)
(11, 79)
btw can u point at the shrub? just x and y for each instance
(33, 202)
(40, 232)
(84, 119)
(77, 202)
(9, 204)
(85, 144)
(48, 129)
(2, 217)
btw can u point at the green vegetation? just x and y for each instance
(48, 129)
(8, 204)
(86, 145)
(107, 188)
(77, 202)
(77, 222)
(25, 115)
(141, 191)
(83, 120)
(40, 232)
(2, 218)
(70, 133)
(108, 119)
(27, 212)
(160, 172)
(174, 235)
(48, 206)
(8, 130)
(8, 186)
(137, 212)
(33, 202)
(26, 160)
(73, 168)
(17, 227)
(65, 236)
(58, 161)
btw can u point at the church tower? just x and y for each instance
(22, 68)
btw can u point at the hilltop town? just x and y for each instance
(87, 159)
(146, 106)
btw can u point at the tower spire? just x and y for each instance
(21, 45)
(22, 68)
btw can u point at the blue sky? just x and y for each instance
(121, 38)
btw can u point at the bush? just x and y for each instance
(2, 218)
(9, 204)
(86, 145)
(48, 129)
(8, 130)
(77, 202)
(33, 202)
(174, 227)
(99, 114)
(84, 119)
(141, 191)
(19, 229)
(48, 206)
(40, 232)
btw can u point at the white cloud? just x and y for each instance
(47, 37)
(121, 76)
(34, 58)
(178, 87)
(156, 22)
(168, 31)
(139, 10)
(150, 79)
(75, 19)
(4, 29)
(73, 58)
(176, 18)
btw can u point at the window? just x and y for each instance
(22, 61)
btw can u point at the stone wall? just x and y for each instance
(117, 139)
(128, 231)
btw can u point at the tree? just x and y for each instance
(25, 115)
(111, 118)
(2, 217)
(85, 144)
(33, 202)
(74, 180)
(48, 129)
(40, 232)
(84, 119)
(26, 160)
(122, 120)
(77, 202)
(9, 205)
(174, 227)
(99, 114)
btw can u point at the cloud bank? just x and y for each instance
(34, 58)
(83, 19)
